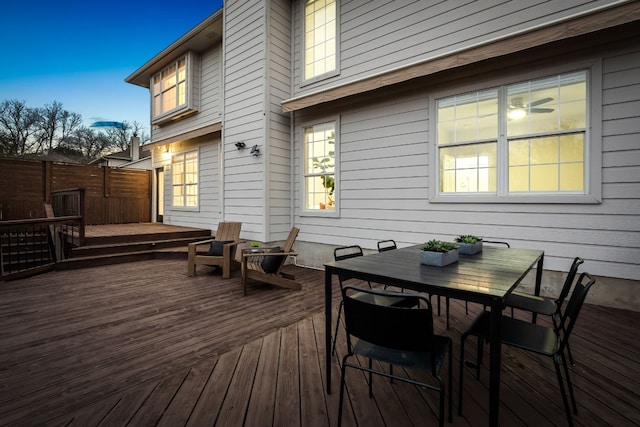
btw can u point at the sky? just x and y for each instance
(79, 52)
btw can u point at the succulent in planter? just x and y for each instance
(438, 253)
(469, 244)
(468, 238)
(438, 246)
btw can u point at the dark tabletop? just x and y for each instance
(494, 272)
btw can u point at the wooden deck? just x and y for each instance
(143, 344)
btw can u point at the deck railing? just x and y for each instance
(29, 244)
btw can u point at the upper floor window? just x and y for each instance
(527, 138)
(184, 179)
(320, 166)
(173, 89)
(320, 42)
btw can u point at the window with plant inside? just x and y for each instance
(527, 138)
(320, 41)
(320, 166)
(184, 178)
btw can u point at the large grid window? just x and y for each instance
(184, 179)
(520, 139)
(320, 166)
(169, 88)
(320, 40)
(175, 89)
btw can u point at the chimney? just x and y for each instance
(135, 148)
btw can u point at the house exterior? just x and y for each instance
(135, 157)
(362, 121)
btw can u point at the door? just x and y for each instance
(159, 194)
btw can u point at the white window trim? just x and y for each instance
(192, 99)
(325, 213)
(328, 74)
(593, 140)
(186, 208)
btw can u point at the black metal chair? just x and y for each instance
(387, 245)
(352, 251)
(535, 338)
(545, 305)
(395, 335)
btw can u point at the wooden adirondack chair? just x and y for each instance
(227, 232)
(265, 265)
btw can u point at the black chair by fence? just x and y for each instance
(550, 342)
(395, 335)
(544, 305)
(347, 252)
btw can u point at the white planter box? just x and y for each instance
(439, 259)
(470, 248)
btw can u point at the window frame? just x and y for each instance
(192, 101)
(331, 213)
(592, 151)
(184, 206)
(328, 74)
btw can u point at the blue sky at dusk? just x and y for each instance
(79, 52)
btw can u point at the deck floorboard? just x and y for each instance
(144, 344)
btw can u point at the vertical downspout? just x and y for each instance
(291, 116)
(223, 95)
(266, 93)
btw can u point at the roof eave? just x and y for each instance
(199, 38)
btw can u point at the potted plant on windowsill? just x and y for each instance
(326, 168)
(328, 182)
(469, 244)
(438, 253)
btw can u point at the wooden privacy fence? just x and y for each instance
(112, 195)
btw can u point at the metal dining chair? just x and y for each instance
(545, 305)
(352, 251)
(395, 335)
(550, 342)
(387, 245)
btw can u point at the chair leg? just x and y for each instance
(463, 338)
(479, 356)
(341, 400)
(447, 308)
(570, 355)
(450, 382)
(370, 379)
(563, 392)
(557, 329)
(569, 384)
(335, 334)
(466, 308)
(441, 406)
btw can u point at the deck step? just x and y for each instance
(109, 250)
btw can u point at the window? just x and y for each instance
(172, 90)
(184, 179)
(320, 42)
(523, 139)
(320, 166)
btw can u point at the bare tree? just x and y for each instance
(18, 123)
(90, 142)
(39, 131)
(69, 124)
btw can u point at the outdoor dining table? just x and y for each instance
(485, 278)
